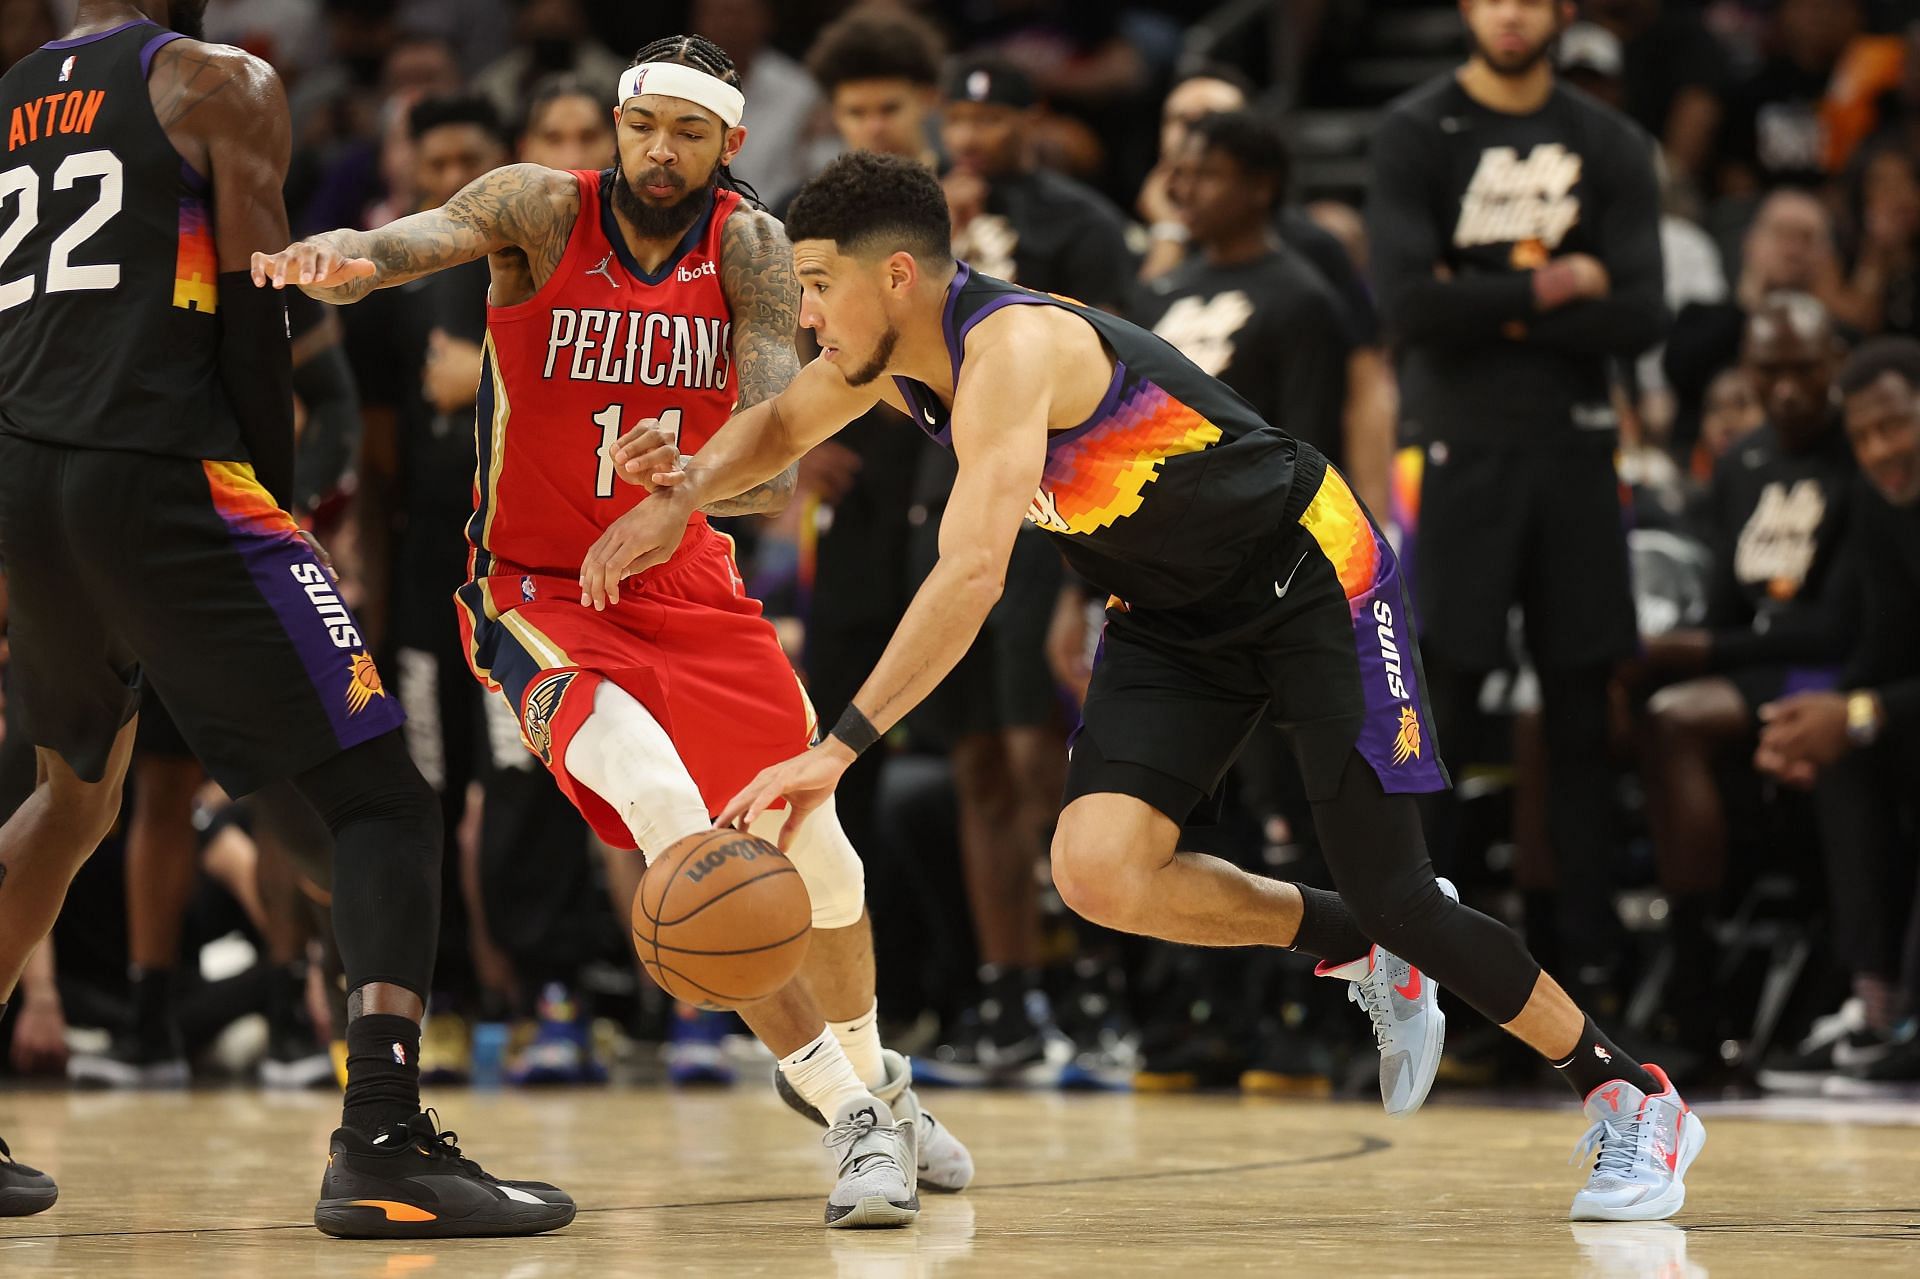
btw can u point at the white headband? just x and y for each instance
(673, 80)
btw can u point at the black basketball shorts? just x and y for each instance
(1319, 637)
(127, 565)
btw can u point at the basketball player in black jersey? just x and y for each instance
(1247, 579)
(146, 459)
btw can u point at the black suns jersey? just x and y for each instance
(1164, 496)
(108, 333)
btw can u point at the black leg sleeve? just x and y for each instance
(386, 879)
(1378, 856)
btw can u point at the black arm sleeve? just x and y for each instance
(1406, 244)
(1633, 316)
(256, 372)
(324, 384)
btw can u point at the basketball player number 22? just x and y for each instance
(608, 420)
(62, 275)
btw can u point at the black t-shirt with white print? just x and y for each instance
(1466, 202)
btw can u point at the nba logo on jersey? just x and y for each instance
(399, 1053)
(66, 68)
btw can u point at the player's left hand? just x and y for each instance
(643, 537)
(805, 782)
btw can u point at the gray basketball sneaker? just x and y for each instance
(877, 1167)
(1646, 1143)
(1408, 1026)
(945, 1165)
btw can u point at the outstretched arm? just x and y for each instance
(756, 270)
(751, 449)
(521, 206)
(1000, 436)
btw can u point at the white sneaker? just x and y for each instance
(1408, 1026)
(877, 1163)
(1646, 1144)
(944, 1163)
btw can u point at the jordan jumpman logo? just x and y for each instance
(606, 268)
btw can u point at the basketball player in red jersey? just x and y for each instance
(652, 290)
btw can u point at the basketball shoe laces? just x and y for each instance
(1618, 1143)
(849, 1132)
(435, 1144)
(1376, 1004)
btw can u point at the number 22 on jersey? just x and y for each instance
(23, 184)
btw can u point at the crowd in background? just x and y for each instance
(1755, 857)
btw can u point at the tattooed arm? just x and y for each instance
(520, 209)
(756, 270)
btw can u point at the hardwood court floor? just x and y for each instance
(222, 1184)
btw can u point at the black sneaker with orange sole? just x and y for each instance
(23, 1190)
(411, 1182)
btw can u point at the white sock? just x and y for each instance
(860, 1039)
(821, 1073)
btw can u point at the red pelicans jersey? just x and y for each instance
(602, 345)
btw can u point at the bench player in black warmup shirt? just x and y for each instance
(1514, 227)
(1248, 581)
(1778, 515)
(146, 453)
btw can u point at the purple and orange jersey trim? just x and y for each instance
(1394, 737)
(1097, 473)
(304, 597)
(195, 269)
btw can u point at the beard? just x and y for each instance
(1513, 65)
(189, 18)
(659, 221)
(882, 354)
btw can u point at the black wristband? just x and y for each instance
(855, 730)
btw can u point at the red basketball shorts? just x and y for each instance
(685, 641)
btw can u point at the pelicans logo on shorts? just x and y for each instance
(1406, 743)
(543, 699)
(363, 682)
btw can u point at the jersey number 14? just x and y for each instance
(62, 275)
(608, 420)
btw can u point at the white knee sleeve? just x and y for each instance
(828, 866)
(622, 755)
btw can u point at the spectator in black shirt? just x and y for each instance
(1789, 246)
(1778, 511)
(1863, 744)
(1515, 231)
(1674, 73)
(1774, 131)
(1011, 218)
(1243, 306)
(1367, 430)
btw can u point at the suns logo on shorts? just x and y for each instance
(543, 699)
(1406, 743)
(363, 682)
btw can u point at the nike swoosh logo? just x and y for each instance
(1280, 588)
(1412, 989)
(928, 414)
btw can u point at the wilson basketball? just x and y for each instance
(722, 918)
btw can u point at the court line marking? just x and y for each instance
(1367, 1146)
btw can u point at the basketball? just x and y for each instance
(722, 918)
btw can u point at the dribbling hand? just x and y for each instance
(312, 263)
(806, 781)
